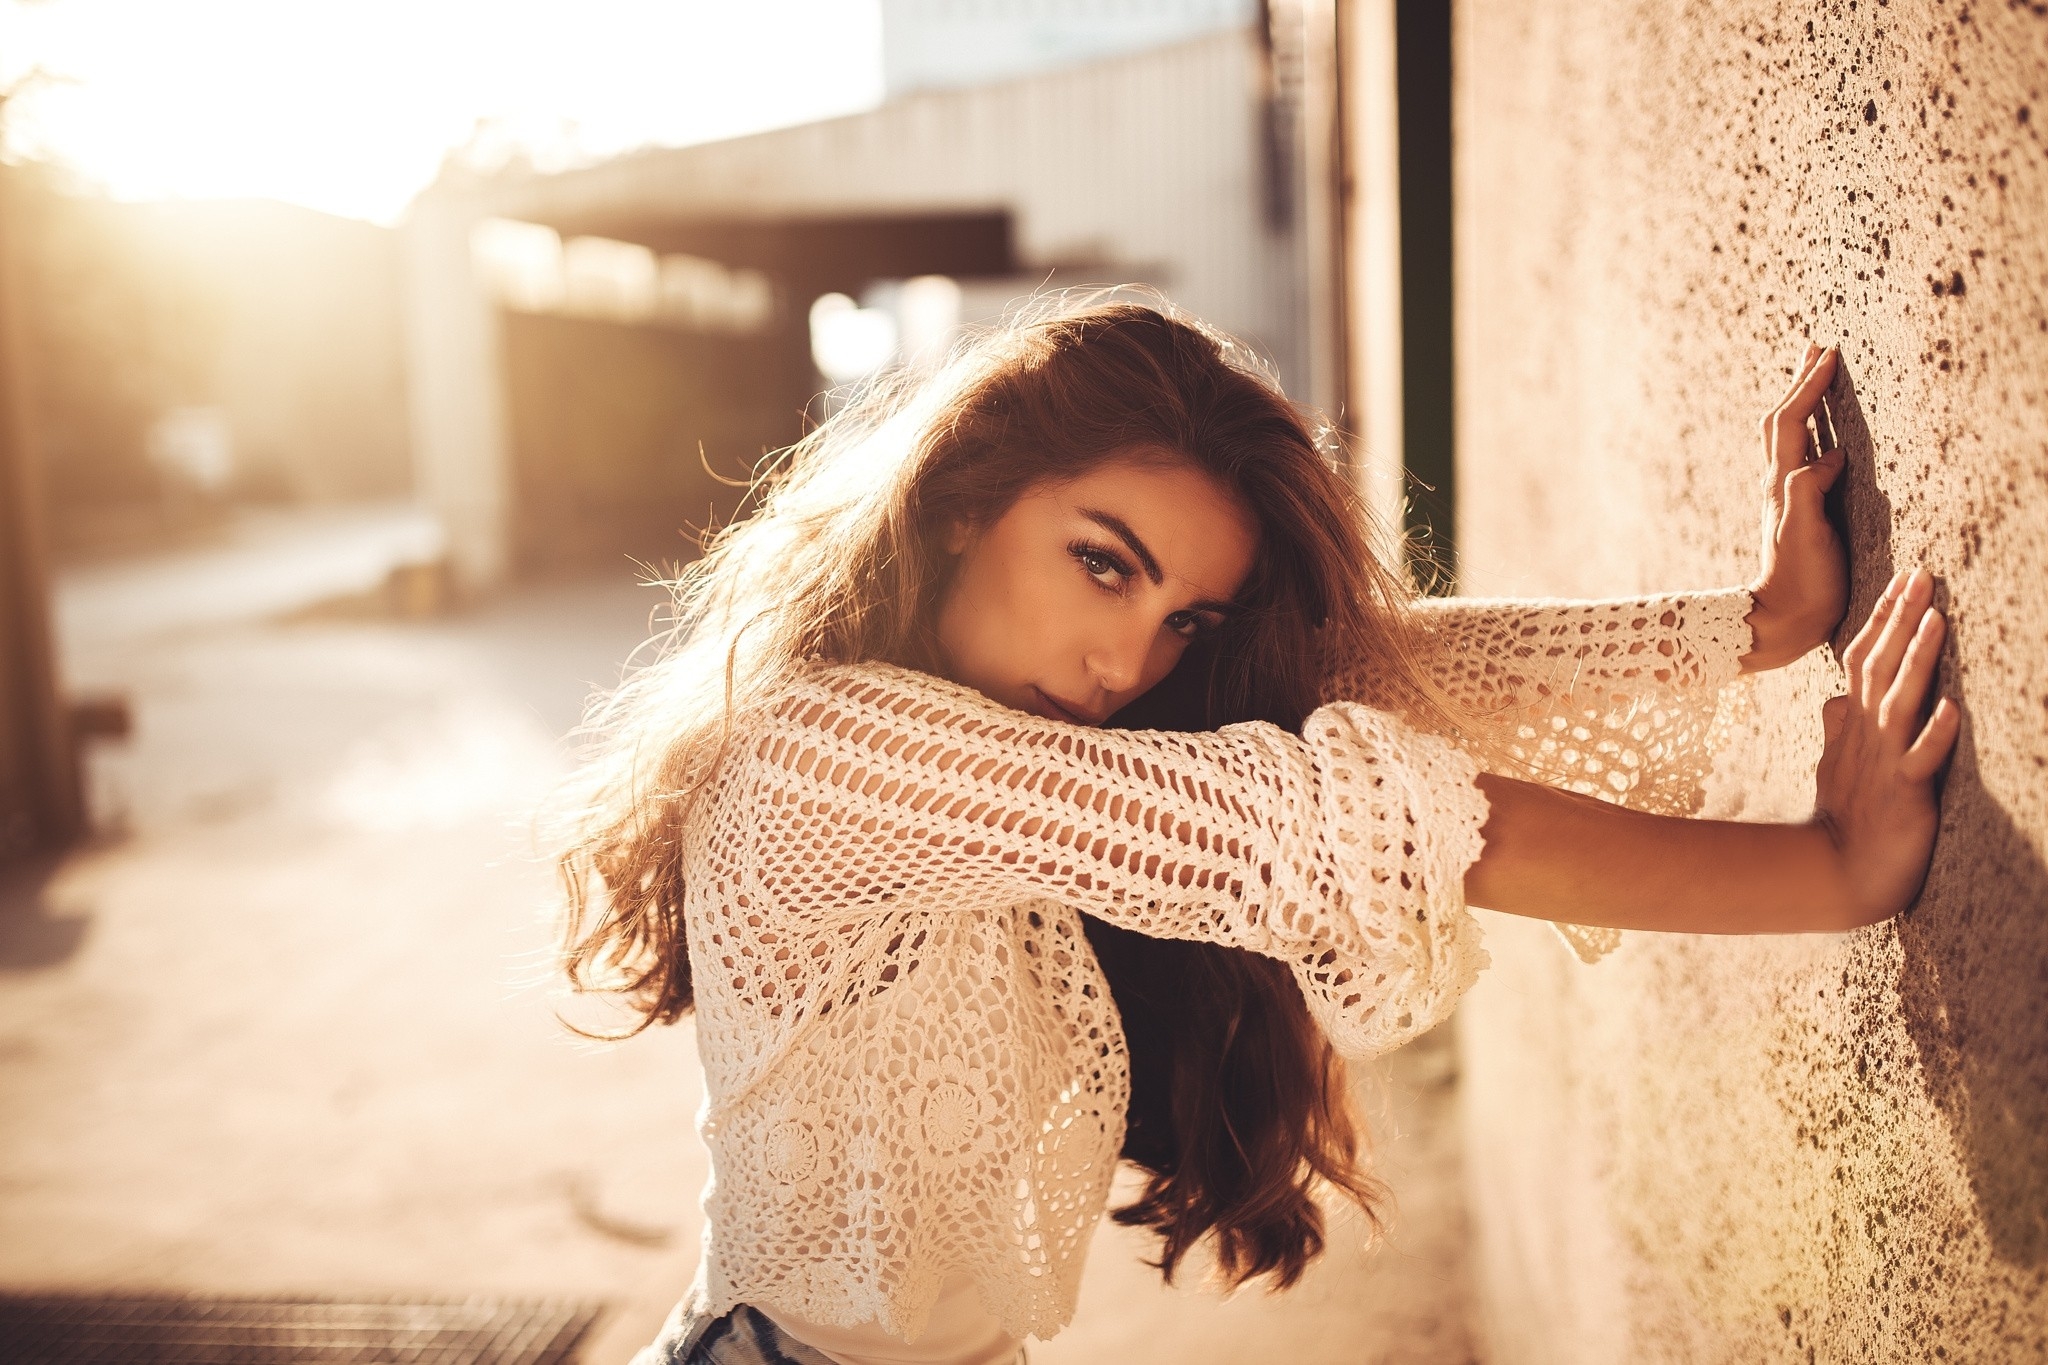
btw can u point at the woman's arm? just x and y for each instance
(1560, 856)
(1622, 699)
(868, 790)
(1528, 663)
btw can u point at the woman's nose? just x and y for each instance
(1118, 664)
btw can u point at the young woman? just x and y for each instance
(1048, 772)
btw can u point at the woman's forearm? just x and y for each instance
(1555, 855)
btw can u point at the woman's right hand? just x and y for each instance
(1875, 787)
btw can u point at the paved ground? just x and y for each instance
(260, 563)
(288, 1027)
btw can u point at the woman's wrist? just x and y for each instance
(1778, 637)
(1825, 882)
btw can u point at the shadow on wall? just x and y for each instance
(1975, 977)
(1976, 944)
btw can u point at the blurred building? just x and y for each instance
(183, 355)
(597, 355)
(948, 44)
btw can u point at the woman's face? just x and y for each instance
(1082, 595)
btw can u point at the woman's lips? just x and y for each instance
(1055, 710)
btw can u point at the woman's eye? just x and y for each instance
(1189, 624)
(1106, 569)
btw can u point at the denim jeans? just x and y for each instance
(745, 1336)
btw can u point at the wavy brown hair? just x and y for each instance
(1239, 1108)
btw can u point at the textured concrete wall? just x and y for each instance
(1819, 1148)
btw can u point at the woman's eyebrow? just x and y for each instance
(1121, 529)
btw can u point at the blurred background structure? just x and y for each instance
(552, 314)
(355, 363)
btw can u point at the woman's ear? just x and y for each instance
(959, 535)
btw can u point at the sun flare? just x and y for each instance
(350, 108)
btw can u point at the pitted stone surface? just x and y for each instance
(1822, 1148)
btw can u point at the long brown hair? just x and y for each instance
(1239, 1108)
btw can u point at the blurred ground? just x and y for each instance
(288, 1027)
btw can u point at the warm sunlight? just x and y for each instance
(350, 107)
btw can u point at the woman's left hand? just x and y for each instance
(1804, 587)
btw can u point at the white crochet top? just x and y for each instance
(913, 1068)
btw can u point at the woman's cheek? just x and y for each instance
(1065, 621)
(1027, 619)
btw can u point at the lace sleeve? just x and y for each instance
(1340, 851)
(1616, 699)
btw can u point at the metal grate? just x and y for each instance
(62, 1329)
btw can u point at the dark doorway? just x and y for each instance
(1423, 78)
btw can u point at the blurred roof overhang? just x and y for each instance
(840, 251)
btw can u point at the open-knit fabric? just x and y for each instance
(1617, 699)
(913, 1066)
